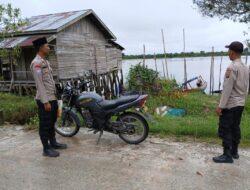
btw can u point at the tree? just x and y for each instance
(236, 10)
(10, 23)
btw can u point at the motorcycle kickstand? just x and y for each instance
(99, 138)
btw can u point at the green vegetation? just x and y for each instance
(200, 122)
(140, 78)
(178, 55)
(16, 109)
(10, 23)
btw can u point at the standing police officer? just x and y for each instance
(234, 94)
(45, 98)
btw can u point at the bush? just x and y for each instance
(16, 109)
(142, 78)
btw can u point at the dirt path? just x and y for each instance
(156, 164)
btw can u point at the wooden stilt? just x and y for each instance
(211, 89)
(163, 69)
(155, 63)
(144, 55)
(185, 61)
(165, 54)
(220, 72)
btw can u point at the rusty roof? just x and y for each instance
(22, 41)
(47, 25)
(53, 23)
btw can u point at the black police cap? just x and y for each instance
(39, 42)
(236, 47)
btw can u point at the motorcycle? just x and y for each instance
(88, 109)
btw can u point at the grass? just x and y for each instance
(200, 123)
(16, 109)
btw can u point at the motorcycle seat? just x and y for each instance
(111, 104)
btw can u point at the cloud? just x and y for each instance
(138, 22)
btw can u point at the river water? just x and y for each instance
(196, 66)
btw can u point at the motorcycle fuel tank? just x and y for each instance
(87, 98)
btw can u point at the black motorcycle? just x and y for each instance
(88, 109)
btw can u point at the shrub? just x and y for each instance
(16, 109)
(141, 78)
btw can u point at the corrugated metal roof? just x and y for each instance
(50, 24)
(22, 41)
(51, 21)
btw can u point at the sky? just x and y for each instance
(139, 22)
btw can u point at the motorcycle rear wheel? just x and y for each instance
(134, 123)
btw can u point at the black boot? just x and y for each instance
(57, 145)
(50, 152)
(226, 157)
(234, 151)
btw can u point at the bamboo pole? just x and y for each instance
(220, 72)
(163, 68)
(155, 63)
(144, 55)
(211, 88)
(246, 56)
(165, 54)
(184, 51)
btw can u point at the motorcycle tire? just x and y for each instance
(141, 120)
(70, 116)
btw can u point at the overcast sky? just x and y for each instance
(138, 22)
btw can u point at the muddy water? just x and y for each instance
(155, 164)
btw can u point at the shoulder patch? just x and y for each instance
(38, 68)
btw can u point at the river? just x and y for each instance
(196, 66)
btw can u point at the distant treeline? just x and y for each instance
(173, 55)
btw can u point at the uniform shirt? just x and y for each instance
(235, 87)
(45, 84)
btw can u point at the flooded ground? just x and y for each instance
(155, 164)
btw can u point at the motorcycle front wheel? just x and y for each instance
(136, 128)
(68, 124)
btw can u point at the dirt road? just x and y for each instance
(155, 164)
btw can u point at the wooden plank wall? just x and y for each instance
(74, 55)
(83, 47)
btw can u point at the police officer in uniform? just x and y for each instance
(45, 98)
(231, 106)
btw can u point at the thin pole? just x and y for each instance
(155, 63)
(165, 54)
(163, 68)
(144, 55)
(211, 89)
(246, 56)
(220, 72)
(184, 51)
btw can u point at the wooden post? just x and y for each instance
(1, 117)
(12, 73)
(165, 54)
(95, 60)
(155, 63)
(184, 51)
(163, 68)
(220, 72)
(246, 55)
(211, 89)
(144, 55)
